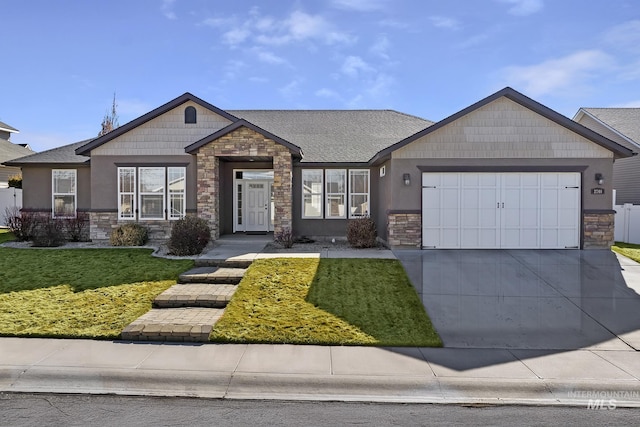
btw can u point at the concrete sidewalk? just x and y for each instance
(294, 372)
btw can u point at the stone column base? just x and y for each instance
(598, 229)
(404, 229)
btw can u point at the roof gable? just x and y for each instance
(622, 122)
(97, 142)
(193, 148)
(524, 101)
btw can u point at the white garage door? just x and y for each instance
(501, 210)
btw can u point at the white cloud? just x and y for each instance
(360, 5)
(233, 67)
(270, 58)
(524, 7)
(291, 89)
(167, 9)
(297, 27)
(236, 36)
(572, 71)
(625, 36)
(381, 47)
(354, 65)
(327, 93)
(444, 22)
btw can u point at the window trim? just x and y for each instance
(321, 193)
(183, 192)
(344, 194)
(368, 193)
(134, 210)
(54, 193)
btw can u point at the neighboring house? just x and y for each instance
(9, 151)
(621, 125)
(506, 172)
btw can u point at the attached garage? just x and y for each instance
(489, 210)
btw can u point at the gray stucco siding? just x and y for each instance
(104, 177)
(323, 227)
(37, 191)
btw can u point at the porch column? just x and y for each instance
(282, 191)
(208, 200)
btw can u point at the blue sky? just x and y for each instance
(63, 60)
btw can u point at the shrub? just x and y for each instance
(15, 181)
(77, 227)
(361, 233)
(21, 224)
(130, 234)
(49, 232)
(285, 238)
(189, 236)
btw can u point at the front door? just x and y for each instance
(257, 205)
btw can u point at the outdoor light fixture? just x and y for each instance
(599, 179)
(407, 179)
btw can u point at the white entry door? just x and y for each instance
(256, 208)
(501, 210)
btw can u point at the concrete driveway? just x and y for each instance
(529, 299)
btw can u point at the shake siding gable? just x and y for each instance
(167, 134)
(502, 129)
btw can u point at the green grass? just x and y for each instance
(5, 235)
(627, 249)
(326, 301)
(79, 293)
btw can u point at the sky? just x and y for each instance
(64, 60)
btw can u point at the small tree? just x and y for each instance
(15, 181)
(110, 120)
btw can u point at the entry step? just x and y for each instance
(195, 295)
(213, 275)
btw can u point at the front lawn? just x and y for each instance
(627, 249)
(79, 293)
(326, 301)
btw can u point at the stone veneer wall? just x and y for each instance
(246, 143)
(598, 230)
(103, 223)
(404, 229)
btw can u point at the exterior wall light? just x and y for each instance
(406, 178)
(599, 179)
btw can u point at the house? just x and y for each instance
(621, 125)
(505, 172)
(9, 151)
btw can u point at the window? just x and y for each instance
(312, 193)
(336, 193)
(358, 193)
(126, 193)
(342, 198)
(190, 115)
(151, 193)
(64, 193)
(159, 193)
(177, 189)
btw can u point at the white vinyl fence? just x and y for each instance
(627, 223)
(9, 198)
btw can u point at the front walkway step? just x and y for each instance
(223, 262)
(195, 295)
(190, 324)
(223, 275)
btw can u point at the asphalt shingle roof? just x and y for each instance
(624, 120)
(352, 136)
(7, 128)
(61, 155)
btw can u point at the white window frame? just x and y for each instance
(329, 195)
(171, 193)
(320, 173)
(54, 193)
(141, 193)
(123, 216)
(352, 172)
